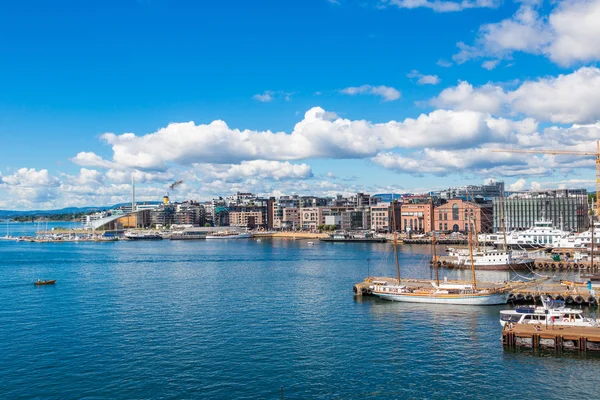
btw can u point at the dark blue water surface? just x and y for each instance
(240, 319)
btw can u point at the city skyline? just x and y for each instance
(318, 97)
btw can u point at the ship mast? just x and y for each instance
(437, 272)
(592, 248)
(395, 238)
(502, 222)
(474, 280)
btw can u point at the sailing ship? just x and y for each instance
(439, 293)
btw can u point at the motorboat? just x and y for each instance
(551, 312)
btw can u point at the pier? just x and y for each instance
(561, 338)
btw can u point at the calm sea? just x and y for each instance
(242, 319)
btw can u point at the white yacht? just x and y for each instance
(581, 240)
(541, 234)
(552, 312)
(491, 259)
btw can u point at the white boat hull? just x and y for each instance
(464, 299)
(240, 236)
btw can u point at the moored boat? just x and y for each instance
(142, 236)
(551, 312)
(230, 235)
(47, 282)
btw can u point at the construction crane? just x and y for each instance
(567, 152)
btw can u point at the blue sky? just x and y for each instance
(403, 95)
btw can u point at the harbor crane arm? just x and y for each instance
(567, 152)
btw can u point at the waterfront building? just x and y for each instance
(357, 219)
(246, 219)
(291, 218)
(334, 220)
(86, 220)
(382, 218)
(416, 214)
(163, 216)
(311, 218)
(566, 208)
(190, 213)
(458, 215)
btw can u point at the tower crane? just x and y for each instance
(567, 152)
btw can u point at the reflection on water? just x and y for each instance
(240, 319)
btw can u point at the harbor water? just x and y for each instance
(242, 319)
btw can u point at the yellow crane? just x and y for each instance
(567, 152)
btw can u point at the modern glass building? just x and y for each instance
(567, 209)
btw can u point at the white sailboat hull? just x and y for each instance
(459, 299)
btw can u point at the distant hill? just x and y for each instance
(63, 211)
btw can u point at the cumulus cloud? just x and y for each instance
(258, 169)
(488, 98)
(386, 92)
(424, 79)
(442, 5)
(319, 135)
(569, 34)
(30, 177)
(565, 99)
(30, 186)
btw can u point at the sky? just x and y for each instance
(292, 97)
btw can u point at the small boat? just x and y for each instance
(47, 282)
(310, 243)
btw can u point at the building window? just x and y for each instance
(445, 216)
(455, 212)
(445, 227)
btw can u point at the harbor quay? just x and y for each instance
(548, 336)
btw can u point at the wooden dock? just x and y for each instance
(551, 337)
(545, 263)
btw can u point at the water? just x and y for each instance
(240, 319)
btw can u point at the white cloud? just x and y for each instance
(89, 159)
(386, 92)
(29, 186)
(490, 64)
(444, 63)
(464, 96)
(319, 135)
(518, 185)
(120, 176)
(569, 34)
(565, 99)
(424, 79)
(30, 177)
(257, 169)
(443, 6)
(265, 97)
